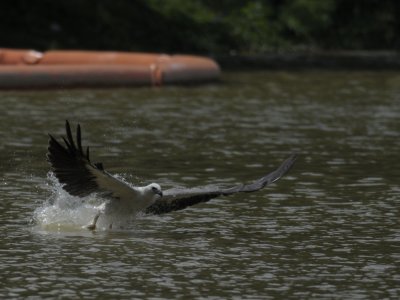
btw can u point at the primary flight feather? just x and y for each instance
(73, 168)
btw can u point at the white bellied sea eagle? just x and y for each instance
(80, 177)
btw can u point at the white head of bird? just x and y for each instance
(153, 190)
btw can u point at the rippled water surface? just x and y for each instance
(329, 229)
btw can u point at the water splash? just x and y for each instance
(62, 212)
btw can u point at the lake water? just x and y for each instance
(328, 230)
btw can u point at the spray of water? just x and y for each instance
(63, 212)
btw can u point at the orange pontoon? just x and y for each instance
(62, 69)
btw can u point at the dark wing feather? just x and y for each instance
(177, 199)
(72, 167)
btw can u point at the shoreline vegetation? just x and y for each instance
(300, 60)
(238, 34)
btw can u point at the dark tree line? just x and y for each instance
(200, 26)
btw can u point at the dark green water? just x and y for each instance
(328, 230)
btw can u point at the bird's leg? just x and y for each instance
(92, 226)
(100, 208)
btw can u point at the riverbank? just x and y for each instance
(357, 60)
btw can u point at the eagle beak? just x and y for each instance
(160, 193)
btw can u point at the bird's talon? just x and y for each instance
(91, 227)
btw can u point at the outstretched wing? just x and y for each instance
(72, 167)
(177, 199)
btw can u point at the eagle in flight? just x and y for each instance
(80, 177)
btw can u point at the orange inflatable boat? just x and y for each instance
(64, 69)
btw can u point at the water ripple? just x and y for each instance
(328, 230)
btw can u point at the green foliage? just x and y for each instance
(200, 26)
(304, 18)
(250, 24)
